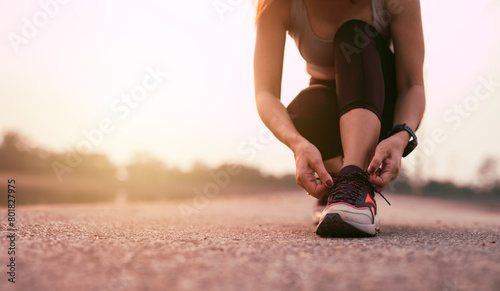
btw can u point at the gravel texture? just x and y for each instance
(256, 242)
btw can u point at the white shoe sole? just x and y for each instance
(343, 220)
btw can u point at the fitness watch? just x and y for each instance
(412, 144)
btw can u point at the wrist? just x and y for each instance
(295, 141)
(401, 138)
(403, 133)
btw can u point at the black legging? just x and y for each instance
(365, 78)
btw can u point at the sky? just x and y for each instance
(174, 80)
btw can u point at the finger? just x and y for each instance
(302, 174)
(309, 186)
(323, 174)
(383, 178)
(319, 191)
(306, 180)
(389, 171)
(376, 161)
(378, 181)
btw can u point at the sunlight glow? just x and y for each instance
(64, 80)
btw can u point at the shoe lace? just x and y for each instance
(358, 181)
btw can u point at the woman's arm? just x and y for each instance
(407, 36)
(268, 65)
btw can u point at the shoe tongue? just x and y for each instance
(350, 169)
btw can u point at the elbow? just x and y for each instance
(259, 102)
(263, 98)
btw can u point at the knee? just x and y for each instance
(355, 32)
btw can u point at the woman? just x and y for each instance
(353, 124)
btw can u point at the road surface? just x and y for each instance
(258, 242)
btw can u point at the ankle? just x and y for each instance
(358, 163)
(352, 168)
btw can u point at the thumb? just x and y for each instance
(376, 162)
(319, 191)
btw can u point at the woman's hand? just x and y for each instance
(308, 161)
(385, 165)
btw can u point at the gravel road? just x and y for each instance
(257, 242)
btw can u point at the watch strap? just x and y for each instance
(412, 143)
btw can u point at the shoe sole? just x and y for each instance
(332, 225)
(348, 221)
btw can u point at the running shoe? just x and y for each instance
(351, 210)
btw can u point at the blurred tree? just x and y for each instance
(17, 154)
(96, 165)
(488, 174)
(146, 166)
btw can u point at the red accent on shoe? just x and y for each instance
(369, 200)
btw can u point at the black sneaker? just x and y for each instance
(351, 210)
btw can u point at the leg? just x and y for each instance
(360, 130)
(360, 91)
(334, 165)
